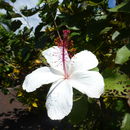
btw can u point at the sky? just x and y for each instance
(31, 21)
(111, 3)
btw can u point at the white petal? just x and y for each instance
(59, 100)
(83, 60)
(39, 77)
(53, 56)
(90, 83)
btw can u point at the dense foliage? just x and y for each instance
(94, 26)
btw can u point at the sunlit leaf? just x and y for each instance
(116, 83)
(115, 34)
(19, 94)
(123, 55)
(126, 122)
(73, 28)
(95, 69)
(34, 104)
(74, 34)
(105, 30)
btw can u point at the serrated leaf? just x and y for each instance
(123, 55)
(116, 83)
(126, 122)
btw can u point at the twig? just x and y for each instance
(8, 63)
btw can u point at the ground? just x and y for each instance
(14, 116)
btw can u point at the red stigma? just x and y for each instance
(66, 42)
(66, 33)
(67, 45)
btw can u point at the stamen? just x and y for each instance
(66, 44)
(63, 60)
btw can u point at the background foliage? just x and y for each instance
(96, 25)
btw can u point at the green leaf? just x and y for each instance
(123, 7)
(27, 57)
(105, 30)
(73, 28)
(115, 35)
(116, 83)
(34, 104)
(74, 34)
(79, 111)
(91, 3)
(126, 122)
(51, 1)
(123, 55)
(6, 6)
(95, 69)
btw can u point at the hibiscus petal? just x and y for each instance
(54, 57)
(39, 77)
(59, 100)
(83, 60)
(90, 83)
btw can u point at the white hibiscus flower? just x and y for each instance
(65, 74)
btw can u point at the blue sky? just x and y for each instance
(111, 3)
